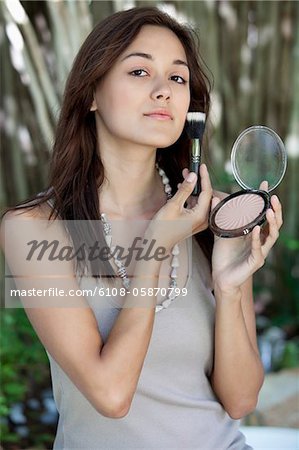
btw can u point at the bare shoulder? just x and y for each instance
(39, 212)
(20, 215)
(19, 218)
(31, 242)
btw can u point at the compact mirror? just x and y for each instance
(257, 155)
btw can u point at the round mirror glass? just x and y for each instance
(258, 155)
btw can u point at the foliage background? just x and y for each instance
(252, 50)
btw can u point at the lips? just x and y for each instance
(161, 114)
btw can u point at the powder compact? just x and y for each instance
(257, 155)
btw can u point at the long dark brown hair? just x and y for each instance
(76, 171)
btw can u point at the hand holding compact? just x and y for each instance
(235, 260)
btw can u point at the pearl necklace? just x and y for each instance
(122, 273)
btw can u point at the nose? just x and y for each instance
(161, 91)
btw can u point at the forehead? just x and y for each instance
(154, 39)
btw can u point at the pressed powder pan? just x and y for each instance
(257, 155)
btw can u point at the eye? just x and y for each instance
(138, 73)
(178, 79)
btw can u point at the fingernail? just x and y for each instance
(191, 177)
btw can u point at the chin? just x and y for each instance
(162, 141)
(162, 145)
(165, 144)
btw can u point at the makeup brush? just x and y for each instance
(195, 127)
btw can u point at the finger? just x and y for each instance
(276, 205)
(185, 172)
(205, 178)
(257, 258)
(264, 186)
(191, 201)
(184, 190)
(205, 196)
(273, 232)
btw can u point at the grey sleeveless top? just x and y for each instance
(174, 406)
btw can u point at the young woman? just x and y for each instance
(147, 374)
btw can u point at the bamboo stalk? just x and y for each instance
(20, 186)
(100, 10)
(62, 45)
(230, 123)
(286, 92)
(139, 3)
(273, 68)
(260, 63)
(77, 17)
(38, 100)
(38, 170)
(292, 141)
(85, 18)
(38, 61)
(245, 85)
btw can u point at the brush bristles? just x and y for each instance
(195, 124)
(196, 116)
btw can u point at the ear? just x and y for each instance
(93, 106)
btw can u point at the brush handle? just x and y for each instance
(195, 159)
(194, 167)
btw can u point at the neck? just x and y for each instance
(132, 187)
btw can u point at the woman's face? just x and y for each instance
(145, 96)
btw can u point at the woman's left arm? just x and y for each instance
(238, 373)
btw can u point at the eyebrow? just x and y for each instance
(179, 62)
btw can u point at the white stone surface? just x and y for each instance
(269, 438)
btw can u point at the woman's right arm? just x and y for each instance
(106, 373)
